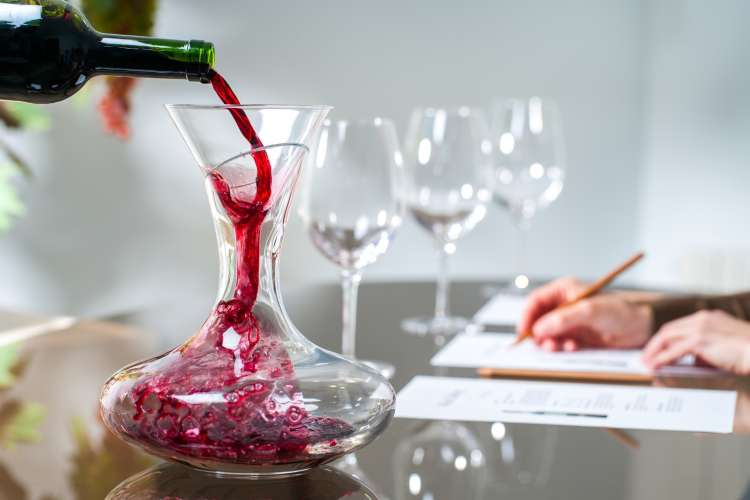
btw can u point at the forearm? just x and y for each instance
(667, 309)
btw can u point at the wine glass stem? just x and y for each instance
(521, 224)
(520, 257)
(349, 287)
(442, 289)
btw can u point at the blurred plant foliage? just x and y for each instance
(10, 366)
(132, 17)
(127, 17)
(99, 467)
(19, 420)
(10, 203)
(15, 116)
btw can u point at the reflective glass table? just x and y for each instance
(52, 445)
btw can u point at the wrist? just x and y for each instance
(745, 360)
(644, 322)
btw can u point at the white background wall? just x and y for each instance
(696, 141)
(111, 225)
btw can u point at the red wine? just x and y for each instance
(48, 51)
(246, 217)
(219, 401)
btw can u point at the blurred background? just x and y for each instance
(655, 114)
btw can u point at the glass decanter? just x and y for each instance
(248, 393)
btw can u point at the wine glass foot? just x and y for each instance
(443, 328)
(387, 370)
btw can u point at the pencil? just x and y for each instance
(592, 289)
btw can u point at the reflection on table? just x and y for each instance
(53, 446)
(176, 482)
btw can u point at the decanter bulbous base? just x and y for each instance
(186, 407)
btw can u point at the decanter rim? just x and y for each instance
(306, 107)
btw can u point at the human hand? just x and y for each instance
(601, 321)
(714, 337)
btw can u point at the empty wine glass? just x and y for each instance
(351, 206)
(447, 162)
(528, 166)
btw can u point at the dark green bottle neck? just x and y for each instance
(148, 57)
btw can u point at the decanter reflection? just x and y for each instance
(440, 460)
(349, 464)
(174, 482)
(248, 393)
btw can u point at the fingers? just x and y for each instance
(671, 353)
(691, 326)
(570, 345)
(546, 298)
(565, 322)
(562, 344)
(667, 335)
(674, 340)
(550, 345)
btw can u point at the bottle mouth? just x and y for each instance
(201, 62)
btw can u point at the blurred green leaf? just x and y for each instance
(28, 116)
(19, 422)
(15, 160)
(8, 359)
(10, 204)
(24, 427)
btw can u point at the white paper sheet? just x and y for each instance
(492, 350)
(555, 403)
(502, 309)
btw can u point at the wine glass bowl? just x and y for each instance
(528, 173)
(447, 162)
(448, 225)
(351, 247)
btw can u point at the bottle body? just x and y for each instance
(48, 51)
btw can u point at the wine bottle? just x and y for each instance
(48, 51)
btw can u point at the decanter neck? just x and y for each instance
(248, 256)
